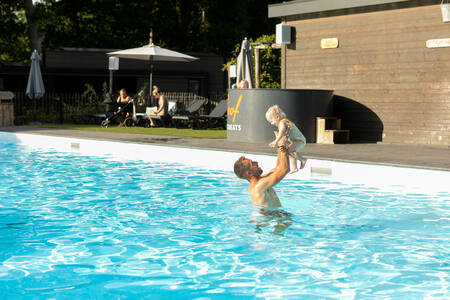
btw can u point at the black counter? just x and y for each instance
(247, 108)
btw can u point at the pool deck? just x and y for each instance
(407, 155)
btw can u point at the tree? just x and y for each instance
(13, 39)
(35, 37)
(270, 61)
(183, 25)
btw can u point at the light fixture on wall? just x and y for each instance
(113, 63)
(283, 33)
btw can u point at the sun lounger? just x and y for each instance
(184, 119)
(88, 118)
(215, 119)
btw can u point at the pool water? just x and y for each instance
(89, 227)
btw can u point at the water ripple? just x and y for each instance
(73, 226)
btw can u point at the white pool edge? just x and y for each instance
(349, 172)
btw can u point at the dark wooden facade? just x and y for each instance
(69, 69)
(389, 86)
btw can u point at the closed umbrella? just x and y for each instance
(152, 53)
(35, 85)
(244, 68)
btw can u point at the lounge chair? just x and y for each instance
(88, 118)
(184, 119)
(215, 119)
(165, 121)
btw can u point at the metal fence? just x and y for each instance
(59, 107)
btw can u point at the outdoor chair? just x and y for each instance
(215, 119)
(164, 121)
(183, 120)
(88, 118)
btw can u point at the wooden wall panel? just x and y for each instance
(389, 87)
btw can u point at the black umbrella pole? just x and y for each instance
(34, 109)
(150, 90)
(61, 114)
(150, 87)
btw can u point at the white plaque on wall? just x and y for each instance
(438, 43)
(329, 43)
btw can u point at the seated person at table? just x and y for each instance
(162, 108)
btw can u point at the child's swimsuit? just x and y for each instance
(295, 135)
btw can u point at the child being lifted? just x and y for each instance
(295, 139)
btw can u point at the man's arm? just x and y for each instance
(279, 172)
(281, 132)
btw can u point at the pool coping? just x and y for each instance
(400, 155)
(353, 172)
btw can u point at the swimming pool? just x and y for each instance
(78, 225)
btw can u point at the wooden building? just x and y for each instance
(69, 69)
(387, 61)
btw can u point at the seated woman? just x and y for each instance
(162, 106)
(123, 100)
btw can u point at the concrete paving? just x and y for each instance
(408, 155)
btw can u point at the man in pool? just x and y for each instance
(261, 186)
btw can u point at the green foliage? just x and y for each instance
(142, 95)
(43, 116)
(14, 45)
(270, 60)
(203, 25)
(105, 90)
(90, 94)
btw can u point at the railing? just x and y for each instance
(58, 107)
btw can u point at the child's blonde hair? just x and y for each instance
(275, 110)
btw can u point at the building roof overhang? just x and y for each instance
(300, 7)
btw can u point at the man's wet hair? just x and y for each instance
(240, 168)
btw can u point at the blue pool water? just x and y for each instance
(80, 227)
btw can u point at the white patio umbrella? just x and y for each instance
(35, 85)
(152, 53)
(244, 68)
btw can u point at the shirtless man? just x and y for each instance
(261, 186)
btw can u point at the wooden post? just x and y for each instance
(258, 47)
(283, 66)
(257, 63)
(110, 83)
(60, 108)
(283, 62)
(229, 78)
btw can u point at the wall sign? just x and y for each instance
(329, 43)
(438, 43)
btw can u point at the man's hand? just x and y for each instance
(273, 144)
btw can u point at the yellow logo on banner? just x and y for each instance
(233, 111)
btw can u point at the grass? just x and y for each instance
(209, 134)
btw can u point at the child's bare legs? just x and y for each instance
(293, 162)
(302, 162)
(294, 156)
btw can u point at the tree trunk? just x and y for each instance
(34, 35)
